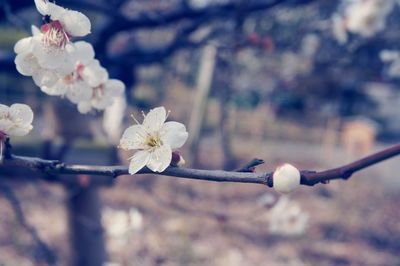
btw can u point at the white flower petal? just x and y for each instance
(26, 64)
(79, 91)
(45, 77)
(41, 6)
(23, 45)
(174, 134)
(68, 65)
(84, 107)
(5, 125)
(102, 103)
(35, 31)
(138, 161)
(57, 89)
(75, 23)
(114, 87)
(50, 57)
(55, 11)
(155, 119)
(83, 52)
(160, 159)
(94, 74)
(19, 130)
(134, 137)
(21, 114)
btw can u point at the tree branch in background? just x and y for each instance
(42, 251)
(308, 177)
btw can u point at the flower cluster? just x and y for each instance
(363, 17)
(62, 67)
(155, 139)
(15, 120)
(69, 69)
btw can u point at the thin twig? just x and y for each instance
(250, 166)
(308, 177)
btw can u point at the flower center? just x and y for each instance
(79, 70)
(154, 141)
(54, 34)
(69, 79)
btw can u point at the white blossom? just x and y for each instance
(88, 84)
(286, 178)
(15, 120)
(155, 139)
(86, 73)
(52, 45)
(28, 65)
(287, 218)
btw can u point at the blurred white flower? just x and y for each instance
(154, 139)
(392, 59)
(51, 46)
(120, 222)
(286, 178)
(309, 45)
(102, 96)
(366, 17)
(286, 218)
(339, 29)
(15, 120)
(363, 17)
(388, 56)
(113, 119)
(121, 226)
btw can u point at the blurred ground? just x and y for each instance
(184, 222)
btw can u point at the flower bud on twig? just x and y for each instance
(286, 178)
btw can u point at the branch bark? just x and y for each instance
(308, 177)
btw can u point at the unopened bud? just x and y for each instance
(286, 178)
(177, 159)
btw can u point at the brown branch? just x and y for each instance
(308, 177)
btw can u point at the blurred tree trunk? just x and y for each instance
(226, 71)
(204, 83)
(86, 232)
(62, 121)
(224, 92)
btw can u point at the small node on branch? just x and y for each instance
(250, 166)
(177, 159)
(286, 178)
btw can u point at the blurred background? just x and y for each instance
(313, 82)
